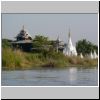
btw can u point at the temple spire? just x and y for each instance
(70, 50)
(69, 32)
(23, 27)
(58, 38)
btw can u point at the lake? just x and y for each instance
(72, 76)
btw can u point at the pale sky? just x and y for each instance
(82, 26)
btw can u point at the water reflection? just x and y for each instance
(72, 75)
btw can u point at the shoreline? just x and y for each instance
(50, 68)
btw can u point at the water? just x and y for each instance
(51, 77)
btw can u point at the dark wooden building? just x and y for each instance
(23, 41)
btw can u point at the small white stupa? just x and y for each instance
(91, 55)
(70, 50)
(81, 55)
(95, 55)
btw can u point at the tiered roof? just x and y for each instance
(23, 35)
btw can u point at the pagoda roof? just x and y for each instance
(23, 33)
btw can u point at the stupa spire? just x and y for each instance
(23, 27)
(69, 32)
(58, 38)
(70, 50)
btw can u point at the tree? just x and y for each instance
(85, 47)
(6, 43)
(40, 41)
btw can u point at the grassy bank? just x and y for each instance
(18, 60)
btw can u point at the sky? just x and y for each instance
(82, 26)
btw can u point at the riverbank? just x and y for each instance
(19, 60)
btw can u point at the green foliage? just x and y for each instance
(45, 57)
(85, 47)
(39, 41)
(14, 60)
(6, 43)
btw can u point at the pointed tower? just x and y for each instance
(70, 49)
(23, 35)
(69, 40)
(58, 38)
(57, 43)
(23, 27)
(91, 55)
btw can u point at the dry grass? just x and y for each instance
(13, 60)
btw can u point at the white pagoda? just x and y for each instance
(93, 55)
(81, 56)
(70, 50)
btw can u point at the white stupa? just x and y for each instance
(91, 55)
(95, 54)
(81, 55)
(70, 50)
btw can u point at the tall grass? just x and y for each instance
(16, 59)
(12, 60)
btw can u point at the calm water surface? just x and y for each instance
(51, 77)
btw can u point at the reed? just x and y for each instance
(19, 60)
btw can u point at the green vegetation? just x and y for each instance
(6, 43)
(43, 43)
(40, 40)
(20, 60)
(85, 47)
(15, 60)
